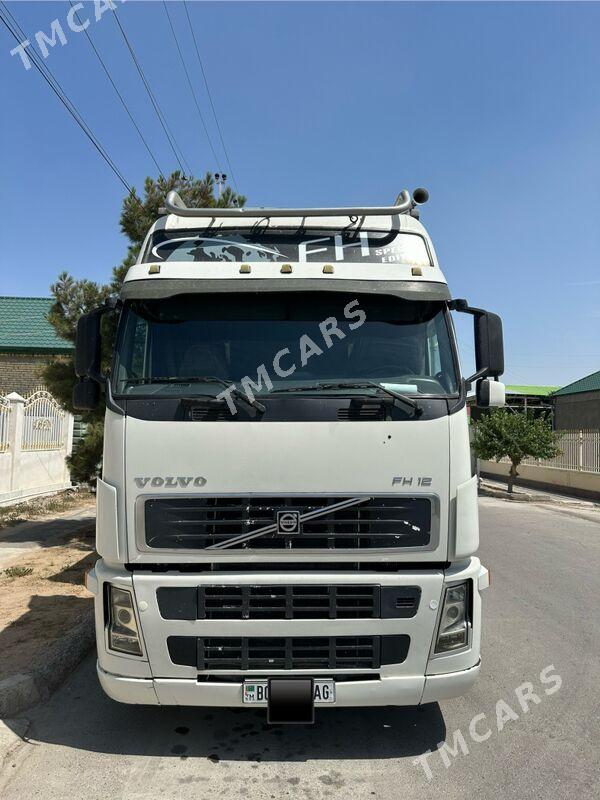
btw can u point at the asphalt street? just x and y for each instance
(541, 637)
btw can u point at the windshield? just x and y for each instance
(281, 341)
(281, 244)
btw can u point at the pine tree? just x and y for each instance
(74, 297)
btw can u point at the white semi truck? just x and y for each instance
(287, 513)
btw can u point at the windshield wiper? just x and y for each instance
(402, 398)
(237, 393)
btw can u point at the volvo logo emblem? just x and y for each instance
(288, 522)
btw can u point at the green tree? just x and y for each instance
(504, 433)
(74, 297)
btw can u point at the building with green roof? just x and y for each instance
(577, 405)
(534, 399)
(27, 342)
(530, 391)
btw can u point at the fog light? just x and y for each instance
(123, 635)
(453, 632)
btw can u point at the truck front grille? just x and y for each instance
(195, 523)
(290, 652)
(361, 601)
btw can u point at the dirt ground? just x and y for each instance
(39, 607)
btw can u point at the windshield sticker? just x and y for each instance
(380, 247)
(206, 248)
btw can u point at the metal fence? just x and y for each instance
(43, 423)
(580, 452)
(4, 424)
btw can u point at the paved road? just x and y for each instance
(543, 609)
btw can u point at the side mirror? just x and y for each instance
(490, 394)
(88, 345)
(88, 358)
(86, 394)
(489, 344)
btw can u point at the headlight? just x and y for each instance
(453, 632)
(123, 635)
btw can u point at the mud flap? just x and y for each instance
(291, 701)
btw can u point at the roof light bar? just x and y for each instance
(404, 204)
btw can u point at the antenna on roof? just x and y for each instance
(220, 179)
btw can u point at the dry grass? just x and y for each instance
(45, 506)
(18, 572)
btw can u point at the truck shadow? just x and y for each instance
(80, 716)
(74, 572)
(35, 641)
(49, 532)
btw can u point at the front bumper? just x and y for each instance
(393, 691)
(155, 679)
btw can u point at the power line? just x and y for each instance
(189, 80)
(17, 32)
(161, 118)
(212, 105)
(118, 93)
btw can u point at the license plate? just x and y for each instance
(258, 692)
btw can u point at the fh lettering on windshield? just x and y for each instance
(170, 482)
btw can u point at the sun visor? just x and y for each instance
(155, 288)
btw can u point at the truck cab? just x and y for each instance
(287, 506)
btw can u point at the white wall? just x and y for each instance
(566, 479)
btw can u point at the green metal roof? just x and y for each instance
(536, 391)
(24, 327)
(591, 383)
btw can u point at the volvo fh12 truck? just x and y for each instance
(287, 511)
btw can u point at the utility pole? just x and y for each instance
(220, 179)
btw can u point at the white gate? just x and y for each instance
(43, 423)
(36, 437)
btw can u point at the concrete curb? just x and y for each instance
(581, 509)
(491, 490)
(19, 692)
(523, 497)
(12, 732)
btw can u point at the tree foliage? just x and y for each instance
(137, 216)
(74, 297)
(506, 434)
(83, 464)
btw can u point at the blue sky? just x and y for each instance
(494, 107)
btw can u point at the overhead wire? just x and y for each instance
(212, 105)
(118, 93)
(19, 35)
(177, 152)
(191, 85)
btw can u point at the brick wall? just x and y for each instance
(21, 372)
(576, 411)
